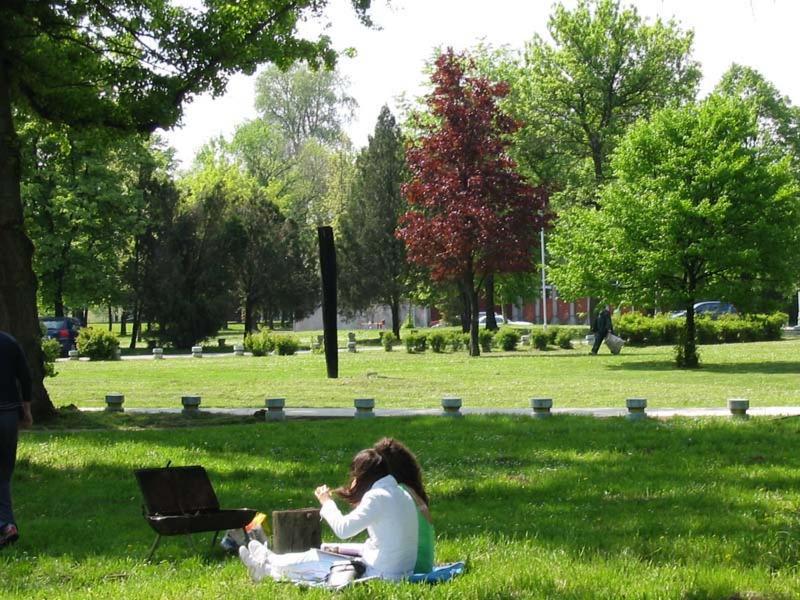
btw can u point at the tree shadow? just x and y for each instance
(764, 367)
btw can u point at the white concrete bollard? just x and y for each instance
(191, 405)
(351, 346)
(114, 402)
(739, 407)
(451, 407)
(364, 407)
(541, 407)
(158, 353)
(275, 408)
(636, 408)
(197, 352)
(73, 355)
(238, 349)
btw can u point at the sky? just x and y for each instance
(389, 61)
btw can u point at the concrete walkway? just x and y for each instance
(348, 413)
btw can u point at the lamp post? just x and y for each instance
(544, 289)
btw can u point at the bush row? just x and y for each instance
(506, 338)
(97, 344)
(640, 330)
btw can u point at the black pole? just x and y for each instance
(327, 265)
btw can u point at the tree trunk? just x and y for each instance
(248, 316)
(394, 305)
(136, 325)
(690, 358)
(18, 312)
(491, 320)
(123, 323)
(468, 286)
(465, 312)
(58, 298)
(110, 318)
(327, 265)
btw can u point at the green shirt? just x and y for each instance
(426, 537)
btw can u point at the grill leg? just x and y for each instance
(214, 539)
(153, 548)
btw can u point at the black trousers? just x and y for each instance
(9, 430)
(599, 337)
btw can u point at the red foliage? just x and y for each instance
(471, 213)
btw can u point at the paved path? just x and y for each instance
(215, 354)
(343, 413)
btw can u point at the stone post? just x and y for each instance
(158, 353)
(364, 407)
(197, 352)
(73, 355)
(191, 405)
(114, 402)
(238, 349)
(739, 407)
(636, 408)
(275, 409)
(541, 407)
(451, 407)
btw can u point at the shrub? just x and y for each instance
(415, 341)
(387, 340)
(539, 339)
(507, 338)
(259, 343)
(285, 345)
(437, 341)
(457, 341)
(564, 339)
(552, 334)
(485, 337)
(98, 344)
(52, 350)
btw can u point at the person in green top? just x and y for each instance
(404, 467)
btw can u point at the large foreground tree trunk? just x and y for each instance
(690, 358)
(18, 313)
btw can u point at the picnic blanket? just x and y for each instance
(439, 574)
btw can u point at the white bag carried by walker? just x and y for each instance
(614, 343)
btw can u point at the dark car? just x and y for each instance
(63, 329)
(711, 308)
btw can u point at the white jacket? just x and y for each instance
(389, 515)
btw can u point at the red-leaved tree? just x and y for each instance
(471, 213)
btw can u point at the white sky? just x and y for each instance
(758, 33)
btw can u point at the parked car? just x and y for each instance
(501, 320)
(710, 308)
(63, 329)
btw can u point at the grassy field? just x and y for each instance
(570, 508)
(766, 373)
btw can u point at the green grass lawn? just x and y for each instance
(566, 508)
(766, 373)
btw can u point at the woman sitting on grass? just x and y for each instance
(380, 505)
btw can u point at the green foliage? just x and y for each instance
(97, 343)
(507, 338)
(437, 340)
(564, 339)
(388, 339)
(540, 339)
(415, 341)
(260, 343)
(458, 340)
(640, 330)
(51, 349)
(285, 345)
(485, 339)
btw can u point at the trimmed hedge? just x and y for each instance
(415, 341)
(285, 345)
(507, 338)
(387, 340)
(260, 343)
(97, 344)
(437, 340)
(640, 330)
(485, 339)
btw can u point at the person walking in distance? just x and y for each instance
(15, 411)
(602, 327)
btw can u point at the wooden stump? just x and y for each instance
(295, 530)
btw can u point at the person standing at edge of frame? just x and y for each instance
(602, 327)
(15, 378)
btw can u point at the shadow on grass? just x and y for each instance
(766, 368)
(665, 492)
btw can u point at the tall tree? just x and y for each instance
(304, 103)
(470, 213)
(605, 68)
(700, 207)
(373, 265)
(125, 65)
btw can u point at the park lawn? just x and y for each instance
(571, 507)
(766, 373)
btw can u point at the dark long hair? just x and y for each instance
(402, 465)
(366, 468)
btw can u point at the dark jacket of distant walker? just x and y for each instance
(602, 327)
